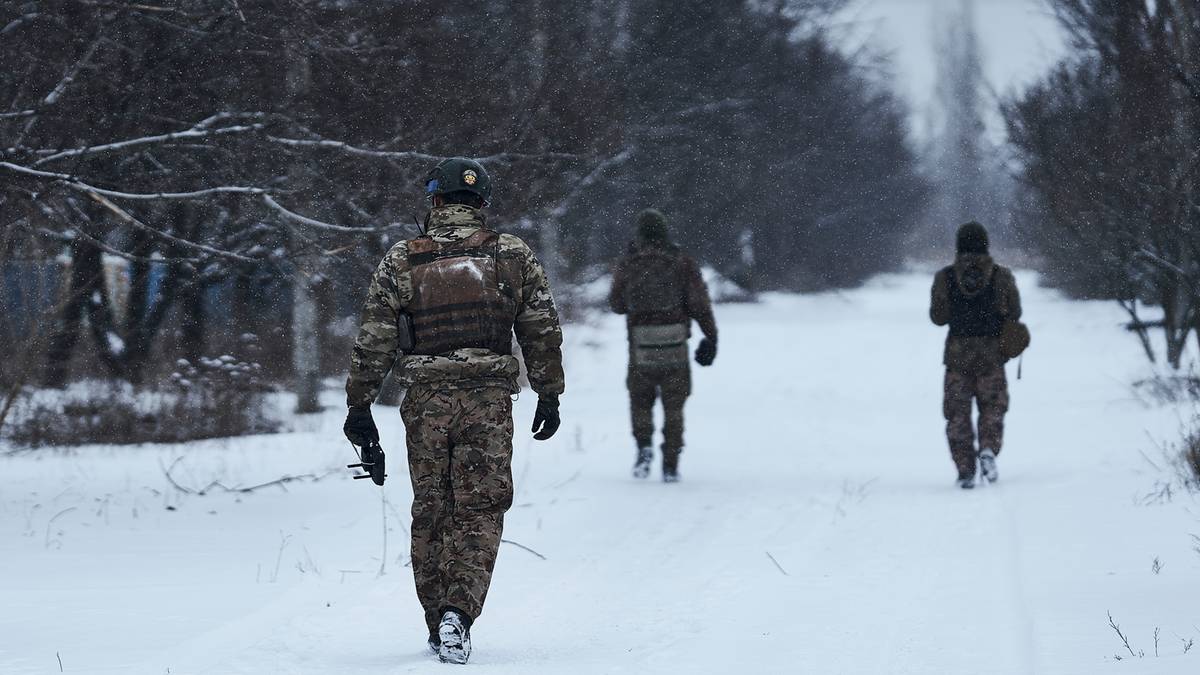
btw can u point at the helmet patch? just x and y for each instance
(469, 177)
(431, 186)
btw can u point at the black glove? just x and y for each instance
(360, 426)
(546, 420)
(706, 352)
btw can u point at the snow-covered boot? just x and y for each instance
(670, 466)
(455, 634)
(435, 643)
(987, 465)
(641, 467)
(966, 482)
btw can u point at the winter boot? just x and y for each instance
(670, 466)
(435, 643)
(966, 481)
(641, 467)
(454, 632)
(987, 465)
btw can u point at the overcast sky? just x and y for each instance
(1019, 38)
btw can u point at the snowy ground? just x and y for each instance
(815, 440)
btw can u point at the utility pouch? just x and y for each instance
(659, 346)
(1014, 339)
(406, 336)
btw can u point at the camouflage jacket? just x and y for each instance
(537, 328)
(693, 301)
(974, 274)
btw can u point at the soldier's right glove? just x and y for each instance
(546, 420)
(706, 352)
(360, 427)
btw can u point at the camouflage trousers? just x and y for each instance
(460, 461)
(988, 391)
(647, 385)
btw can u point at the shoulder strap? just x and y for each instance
(422, 244)
(483, 237)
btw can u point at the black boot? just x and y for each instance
(670, 466)
(641, 467)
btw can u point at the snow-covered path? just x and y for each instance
(816, 529)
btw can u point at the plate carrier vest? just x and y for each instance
(462, 295)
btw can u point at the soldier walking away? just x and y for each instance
(978, 299)
(660, 291)
(441, 312)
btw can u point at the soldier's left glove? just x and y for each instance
(546, 420)
(706, 352)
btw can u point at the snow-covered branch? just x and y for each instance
(223, 116)
(304, 220)
(16, 23)
(70, 75)
(587, 181)
(1169, 266)
(411, 154)
(192, 133)
(101, 195)
(75, 183)
(128, 218)
(18, 113)
(346, 147)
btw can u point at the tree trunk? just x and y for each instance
(191, 321)
(66, 332)
(306, 348)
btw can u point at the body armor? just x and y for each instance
(462, 295)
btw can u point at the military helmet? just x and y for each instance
(459, 174)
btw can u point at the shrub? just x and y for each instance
(211, 398)
(1189, 458)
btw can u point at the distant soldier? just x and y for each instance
(463, 288)
(979, 300)
(660, 290)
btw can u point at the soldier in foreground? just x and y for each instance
(660, 291)
(441, 311)
(978, 299)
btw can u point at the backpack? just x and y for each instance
(655, 283)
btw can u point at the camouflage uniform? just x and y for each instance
(974, 364)
(458, 408)
(671, 379)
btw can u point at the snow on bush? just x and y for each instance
(211, 398)
(1189, 457)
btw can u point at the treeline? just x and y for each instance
(1109, 152)
(245, 156)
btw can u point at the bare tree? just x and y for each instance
(1110, 150)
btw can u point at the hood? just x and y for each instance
(649, 247)
(453, 222)
(973, 272)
